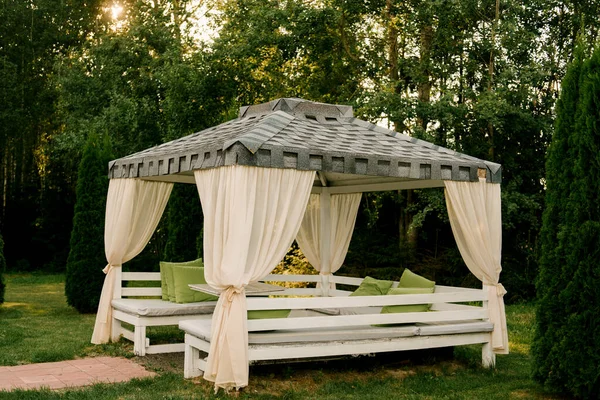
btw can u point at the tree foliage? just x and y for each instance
(566, 338)
(84, 277)
(2, 269)
(479, 77)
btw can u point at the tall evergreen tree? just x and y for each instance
(567, 339)
(2, 269)
(559, 174)
(84, 277)
(184, 224)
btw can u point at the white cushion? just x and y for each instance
(161, 308)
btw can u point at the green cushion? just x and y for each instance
(184, 275)
(372, 287)
(410, 307)
(263, 314)
(166, 276)
(410, 279)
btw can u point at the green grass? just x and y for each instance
(36, 325)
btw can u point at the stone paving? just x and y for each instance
(73, 373)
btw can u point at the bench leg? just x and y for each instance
(488, 357)
(139, 341)
(192, 362)
(115, 334)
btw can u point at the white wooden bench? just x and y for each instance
(143, 307)
(341, 325)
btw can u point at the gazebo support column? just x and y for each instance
(115, 330)
(325, 199)
(488, 357)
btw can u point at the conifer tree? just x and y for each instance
(566, 341)
(2, 269)
(559, 174)
(184, 224)
(86, 259)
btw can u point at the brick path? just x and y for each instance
(73, 373)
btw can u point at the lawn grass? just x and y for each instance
(36, 325)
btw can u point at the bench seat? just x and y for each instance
(202, 330)
(160, 308)
(322, 342)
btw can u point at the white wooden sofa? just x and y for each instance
(143, 307)
(340, 325)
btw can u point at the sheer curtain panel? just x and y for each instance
(133, 210)
(475, 218)
(344, 208)
(251, 216)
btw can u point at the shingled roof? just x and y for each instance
(300, 134)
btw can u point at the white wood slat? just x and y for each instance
(360, 301)
(335, 321)
(291, 278)
(141, 276)
(346, 280)
(452, 306)
(324, 349)
(299, 292)
(165, 348)
(454, 289)
(141, 291)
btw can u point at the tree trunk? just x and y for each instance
(424, 87)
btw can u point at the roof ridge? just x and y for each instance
(268, 127)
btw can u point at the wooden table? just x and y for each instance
(253, 289)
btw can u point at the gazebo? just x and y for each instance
(284, 170)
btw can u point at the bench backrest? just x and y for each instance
(446, 307)
(122, 289)
(446, 303)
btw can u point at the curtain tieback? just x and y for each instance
(500, 290)
(230, 292)
(109, 267)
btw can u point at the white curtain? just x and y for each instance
(475, 218)
(344, 208)
(251, 216)
(133, 210)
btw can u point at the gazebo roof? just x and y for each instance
(300, 134)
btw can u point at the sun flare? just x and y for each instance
(116, 10)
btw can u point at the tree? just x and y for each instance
(2, 269)
(32, 34)
(184, 225)
(84, 277)
(566, 340)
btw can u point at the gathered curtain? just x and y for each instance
(343, 211)
(133, 210)
(251, 216)
(475, 218)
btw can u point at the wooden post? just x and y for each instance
(488, 357)
(325, 206)
(115, 329)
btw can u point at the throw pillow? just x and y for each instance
(408, 307)
(183, 276)
(372, 287)
(410, 279)
(166, 276)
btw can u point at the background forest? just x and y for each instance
(480, 77)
